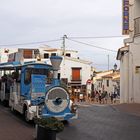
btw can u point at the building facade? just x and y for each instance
(74, 72)
(98, 81)
(111, 83)
(130, 58)
(107, 81)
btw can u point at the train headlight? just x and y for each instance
(57, 99)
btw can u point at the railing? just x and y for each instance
(75, 80)
(137, 26)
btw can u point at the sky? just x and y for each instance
(23, 21)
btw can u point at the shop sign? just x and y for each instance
(125, 16)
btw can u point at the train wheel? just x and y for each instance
(26, 116)
(12, 109)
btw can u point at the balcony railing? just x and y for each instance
(73, 80)
(137, 26)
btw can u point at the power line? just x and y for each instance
(40, 42)
(90, 37)
(101, 64)
(29, 43)
(91, 45)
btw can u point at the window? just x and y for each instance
(27, 79)
(76, 74)
(58, 75)
(53, 54)
(107, 83)
(68, 54)
(36, 53)
(46, 55)
(64, 82)
(27, 53)
(30, 71)
(99, 84)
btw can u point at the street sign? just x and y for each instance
(89, 81)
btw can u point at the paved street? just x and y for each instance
(12, 127)
(95, 122)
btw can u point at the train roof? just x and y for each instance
(17, 64)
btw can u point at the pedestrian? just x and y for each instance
(106, 97)
(93, 96)
(114, 97)
(100, 97)
(81, 97)
(97, 96)
(111, 98)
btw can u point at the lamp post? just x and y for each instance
(115, 67)
(93, 80)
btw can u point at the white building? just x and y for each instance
(111, 82)
(74, 72)
(107, 81)
(4, 52)
(129, 57)
(98, 81)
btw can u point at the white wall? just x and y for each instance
(4, 56)
(136, 8)
(124, 79)
(73, 53)
(96, 85)
(109, 88)
(99, 76)
(129, 79)
(135, 81)
(66, 70)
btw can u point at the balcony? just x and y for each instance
(137, 27)
(75, 80)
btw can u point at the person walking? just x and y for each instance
(97, 96)
(100, 97)
(81, 97)
(111, 97)
(106, 97)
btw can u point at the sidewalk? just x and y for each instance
(133, 109)
(87, 103)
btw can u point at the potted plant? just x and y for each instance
(47, 128)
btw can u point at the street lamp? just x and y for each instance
(115, 67)
(94, 73)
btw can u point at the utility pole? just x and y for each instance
(63, 45)
(63, 53)
(108, 61)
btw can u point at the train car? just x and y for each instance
(34, 90)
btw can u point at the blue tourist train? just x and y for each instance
(34, 89)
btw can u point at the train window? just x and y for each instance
(30, 71)
(49, 77)
(27, 79)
